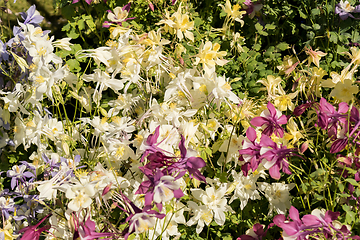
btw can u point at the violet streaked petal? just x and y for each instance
(196, 162)
(338, 145)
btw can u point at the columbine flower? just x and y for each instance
(252, 8)
(314, 56)
(118, 16)
(276, 157)
(344, 91)
(18, 174)
(32, 16)
(278, 195)
(271, 118)
(214, 200)
(6, 206)
(233, 13)
(32, 233)
(245, 188)
(209, 55)
(344, 9)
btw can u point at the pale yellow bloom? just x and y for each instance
(209, 54)
(234, 12)
(292, 133)
(284, 101)
(178, 24)
(344, 91)
(271, 83)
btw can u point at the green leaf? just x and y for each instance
(197, 22)
(352, 181)
(305, 27)
(270, 26)
(341, 187)
(90, 22)
(333, 37)
(73, 64)
(257, 47)
(217, 145)
(282, 46)
(73, 34)
(315, 11)
(258, 27)
(350, 217)
(302, 15)
(316, 26)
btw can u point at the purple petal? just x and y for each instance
(251, 134)
(127, 7)
(294, 214)
(178, 193)
(275, 172)
(259, 121)
(272, 109)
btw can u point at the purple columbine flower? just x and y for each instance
(276, 157)
(18, 174)
(159, 188)
(32, 16)
(189, 162)
(271, 118)
(329, 118)
(87, 230)
(6, 205)
(339, 144)
(250, 152)
(344, 9)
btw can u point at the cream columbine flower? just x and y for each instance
(344, 91)
(179, 24)
(284, 101)
(202, 215)
(119, 15)
(63, 43)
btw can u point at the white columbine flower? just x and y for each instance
(214, 199)
(245, 188)
(278, 195)
(80, 194)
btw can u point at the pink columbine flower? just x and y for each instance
(271, 118)
(32, 233)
